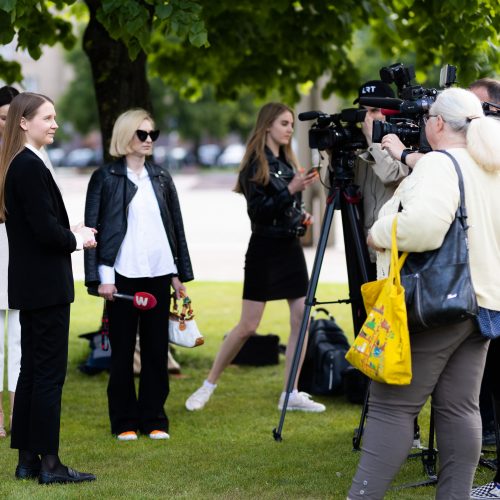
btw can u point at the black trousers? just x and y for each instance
(44, 358)
(128, 411)
(491, 383)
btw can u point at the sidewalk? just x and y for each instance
(215, 221)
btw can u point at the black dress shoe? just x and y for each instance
(71, 476)
(27, 471)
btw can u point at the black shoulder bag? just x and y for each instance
(437, 283)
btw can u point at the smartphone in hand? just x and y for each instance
(314, 169)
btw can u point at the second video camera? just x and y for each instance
(328, 132)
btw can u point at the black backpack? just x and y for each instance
(324, 362)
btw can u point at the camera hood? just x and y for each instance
(381, 102)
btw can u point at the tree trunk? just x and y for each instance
(119, 82)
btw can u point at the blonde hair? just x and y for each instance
(255, 150)
(124, 129)
(24, 105)
(463, 113)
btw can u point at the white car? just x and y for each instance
(231, 156)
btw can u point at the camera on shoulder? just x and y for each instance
(412, 105)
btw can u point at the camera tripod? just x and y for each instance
(343, 195)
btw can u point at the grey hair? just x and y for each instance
(462, 112)
(457, 107)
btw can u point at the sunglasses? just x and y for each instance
(142, 135)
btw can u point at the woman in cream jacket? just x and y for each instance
(447, 361)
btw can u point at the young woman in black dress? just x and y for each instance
(275, 267)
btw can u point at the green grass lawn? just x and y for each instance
(226, 450)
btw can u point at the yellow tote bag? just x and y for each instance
(382, 348)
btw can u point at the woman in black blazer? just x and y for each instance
(40, 285)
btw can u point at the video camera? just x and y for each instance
(413, 104)
(339, 135)
(491, 109)
(328, 132)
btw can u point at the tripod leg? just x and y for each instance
(311, 291)
(429, 455)
(357, 260)
(358, 433)
(496, 418)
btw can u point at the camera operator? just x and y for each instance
(488, 90)
(376, 172)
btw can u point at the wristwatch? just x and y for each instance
(404, 154)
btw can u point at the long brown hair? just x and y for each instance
(24, 105)
(257, 142)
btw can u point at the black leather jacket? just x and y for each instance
(108, 196)
(273, 211)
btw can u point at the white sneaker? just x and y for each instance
(199, 398)
(417, 444)
(489, 490)
(127, 436)
(301, 401)
(159, 435)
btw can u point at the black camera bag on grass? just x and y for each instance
(324, 362)
(259, 350)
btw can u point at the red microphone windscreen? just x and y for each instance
(389, 112)
(144, 300)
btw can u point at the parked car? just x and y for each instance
(173, 158)
(231, 156)
(83, 157)
(208, 154)
(56, 155)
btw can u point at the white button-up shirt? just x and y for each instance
(145, 251)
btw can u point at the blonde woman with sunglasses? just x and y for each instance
(141, 247)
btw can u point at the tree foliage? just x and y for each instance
(268, 44)
(35, 25)
(465, 33)
(78, 104)
(251, 44)
(198, 121)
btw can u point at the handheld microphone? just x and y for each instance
(309, 115)
(141, 300)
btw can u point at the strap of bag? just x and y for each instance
(186, 310)
(396, 263)
(461, 211)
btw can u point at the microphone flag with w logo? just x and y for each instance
(144, 301)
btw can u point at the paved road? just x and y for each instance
(215, 221)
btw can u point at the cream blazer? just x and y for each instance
(429, 198)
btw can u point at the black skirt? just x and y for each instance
(275, 268)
